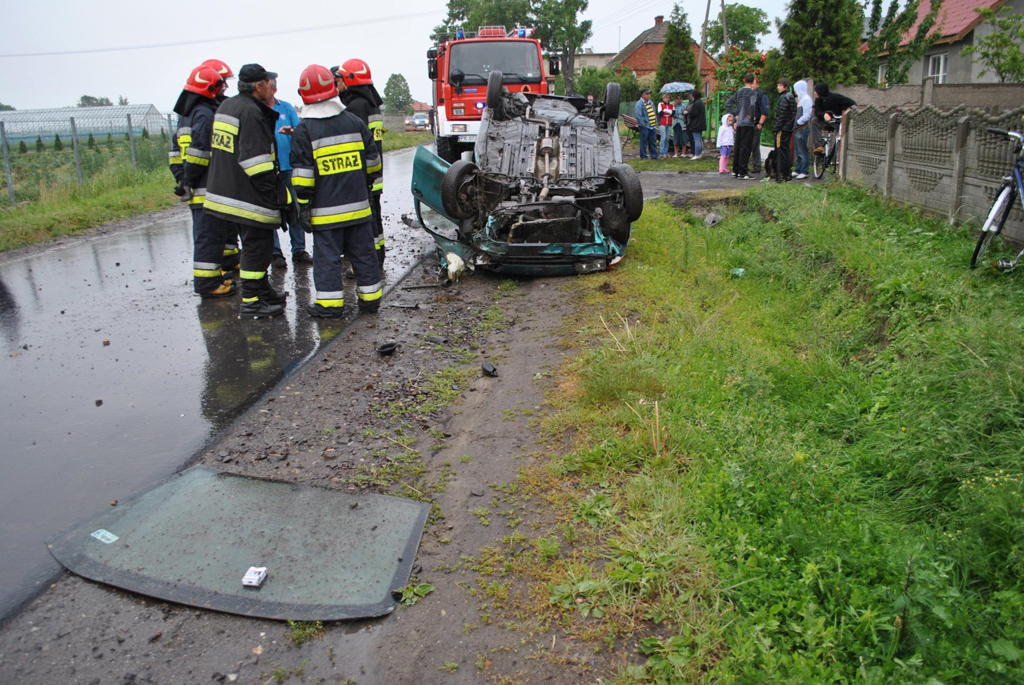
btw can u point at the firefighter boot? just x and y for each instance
(254, 304)
(268, 294)
(259, 309)
(225, 289)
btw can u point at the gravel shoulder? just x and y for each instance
(353, 420)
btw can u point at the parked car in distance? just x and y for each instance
(417, 122)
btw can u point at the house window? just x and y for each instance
(937, 68)
(881, 74)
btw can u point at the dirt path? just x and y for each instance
(338, 423)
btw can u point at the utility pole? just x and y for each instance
(703, 35)
(725, 30)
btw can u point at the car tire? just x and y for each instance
(452, 198)
(632, 191)
(611, 101)
(494, 80)
(447, 149)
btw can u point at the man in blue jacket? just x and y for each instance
(287, 120)
(647, 122)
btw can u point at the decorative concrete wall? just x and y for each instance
(943, 161)
(982, 95)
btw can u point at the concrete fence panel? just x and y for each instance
(942, 161)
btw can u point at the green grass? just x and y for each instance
(708, 162)
(808, 474)
(396, 140)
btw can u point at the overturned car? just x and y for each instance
(547, 192)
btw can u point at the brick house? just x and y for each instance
(642, 55)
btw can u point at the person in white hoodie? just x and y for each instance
(725, 142)
(804, 106)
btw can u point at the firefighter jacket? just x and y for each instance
(333, 159)
(365, 102)
(190, 145)
(243, 184)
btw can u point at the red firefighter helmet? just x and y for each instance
(205, 81)
(356, 72)
(316, 84)
(222, 68)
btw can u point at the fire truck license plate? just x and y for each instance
(467, 139)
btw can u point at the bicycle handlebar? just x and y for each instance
(1016, 135)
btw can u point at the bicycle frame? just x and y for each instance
(1017, 177)
(1002, 205)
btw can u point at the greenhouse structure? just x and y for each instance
(29, 124)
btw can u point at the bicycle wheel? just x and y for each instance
(819, 165)
(994, 222)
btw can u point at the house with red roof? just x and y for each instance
(643, 53)
(958, 26)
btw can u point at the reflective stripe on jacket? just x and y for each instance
(242, 184)
(333, 160)
(360, 103)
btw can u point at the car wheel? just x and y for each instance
(632, 191)
(453, 196)
(611, 102)
(494, 90)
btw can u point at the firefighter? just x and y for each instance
(334, 161)
(190, 161)
(363, 100)
(244, 192)
(232, 256)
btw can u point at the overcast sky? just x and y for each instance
(391, 35)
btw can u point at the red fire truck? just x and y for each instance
(460, 67)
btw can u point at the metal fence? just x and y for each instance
(50, 152)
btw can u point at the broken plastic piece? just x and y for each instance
(490, 369)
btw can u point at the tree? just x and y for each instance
(110, 141)
(5, 108)
(559, 29)
(820, 40)
(57, 145)
(1001, 51)
(39, 144)
(397, 97)
(91, 143)
(22, 148)
(678, 61)
(885, 33)
(90, 101)
(122, 100)
(592, 81)
(469, 15)
(746, 26)
(145, 133)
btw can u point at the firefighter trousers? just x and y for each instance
(208, 241)
(257, 251)
(378, 227)
(355, 242)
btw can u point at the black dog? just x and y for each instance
(769, 165)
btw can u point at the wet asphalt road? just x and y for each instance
(114, 374)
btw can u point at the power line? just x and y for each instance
(267, 34)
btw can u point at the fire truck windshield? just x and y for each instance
(519, 61)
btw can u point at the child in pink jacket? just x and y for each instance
(726, 139)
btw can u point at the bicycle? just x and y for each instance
(1013, 184)
(831, 156)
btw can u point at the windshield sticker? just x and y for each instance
(105, 536)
